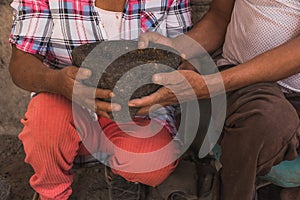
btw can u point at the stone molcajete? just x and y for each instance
(126, 70)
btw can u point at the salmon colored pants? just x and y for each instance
(52, 139)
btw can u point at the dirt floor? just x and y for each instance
(13, 104)
(88, 182)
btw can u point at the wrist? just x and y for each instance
(53, 81)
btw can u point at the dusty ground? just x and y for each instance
(88, 183)
(13, 103)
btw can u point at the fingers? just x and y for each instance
(98, 106)
(144, 101)
(147, 109)
(186, 66)
(143, 110)
(163, 97)
(84, 91)
(170, 78)
(102, 105)
(103, 114)
(91, 98)
(106, 106)
(104, 94)
(145, 38)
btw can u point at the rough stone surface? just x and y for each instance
(121, 67)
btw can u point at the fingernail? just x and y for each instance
(112, 94)
(183, 56)
(87, 72)
(155, 78)
(116, 107)
(131, 104)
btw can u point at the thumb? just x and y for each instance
(144, 40)
(148, 37)
(167, 78)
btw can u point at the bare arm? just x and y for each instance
(209, 32)
(211, 29)
(28, 72)
(273, 65)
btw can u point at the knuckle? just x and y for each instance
(101, 113)
(169, 93)
(69, 72)
(88, 104)
(102, 93)
(103, 107)
(143, 36)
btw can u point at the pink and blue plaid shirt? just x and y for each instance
(53, 28)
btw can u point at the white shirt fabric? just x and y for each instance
(111, 23)
(260, 25)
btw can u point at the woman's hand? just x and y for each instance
(70, 81)
(36, 77)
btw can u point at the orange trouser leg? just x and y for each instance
(51, 142)
(141, 166)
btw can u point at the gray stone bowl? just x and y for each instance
(126, 70)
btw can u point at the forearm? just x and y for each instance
(271, 66)
(29, 73)
(209, 32)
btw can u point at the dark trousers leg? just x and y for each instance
(261, 130)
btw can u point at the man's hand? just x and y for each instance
(71, 80)
(145, 38)
(179, 86)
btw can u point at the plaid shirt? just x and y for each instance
(52, 28)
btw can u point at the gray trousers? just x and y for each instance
(261, 129)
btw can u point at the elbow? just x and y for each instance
(14, 76)
(14, 71)
(15, 67)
